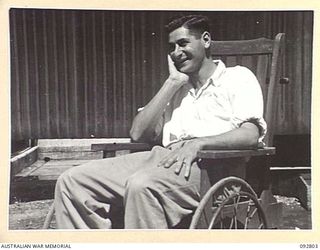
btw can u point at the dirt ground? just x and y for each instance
(31, 215)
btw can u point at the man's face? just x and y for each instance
(187, 50)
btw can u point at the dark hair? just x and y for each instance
(196, 23)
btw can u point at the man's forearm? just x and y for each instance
(245, 137)
(143, 126)
(144, 123)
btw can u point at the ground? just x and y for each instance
(31, 215)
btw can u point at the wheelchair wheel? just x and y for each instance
(229, 204)
(49, 218)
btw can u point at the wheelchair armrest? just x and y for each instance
(111, 147)
(219, 154)
(204, 154)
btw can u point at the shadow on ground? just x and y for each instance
(31, 215)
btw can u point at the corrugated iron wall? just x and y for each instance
(80, 74)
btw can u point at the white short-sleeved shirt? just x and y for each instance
(230, 97)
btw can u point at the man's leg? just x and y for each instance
(158, 198)
(84, 194)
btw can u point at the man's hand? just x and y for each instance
(144, 124)
(182, 157)
(176, 76)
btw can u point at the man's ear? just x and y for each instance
(206, 38)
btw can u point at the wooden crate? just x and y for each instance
(34, 172)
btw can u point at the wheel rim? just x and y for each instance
(230, 190)
(253, 218)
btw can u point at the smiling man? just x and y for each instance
(201, 105)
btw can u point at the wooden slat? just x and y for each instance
(249, 62)
(27, 172)
(231, 61)
(81, 143)
(51, 171)
(273, 84)
(119, 146)
(42, 170)
(23, 160)
(65, 163)
(218, 154)
(81, 155)
(213, 154)
(63, 149)
(57, 149)
(249, 47)
(261, 73)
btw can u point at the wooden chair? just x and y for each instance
(229, 201)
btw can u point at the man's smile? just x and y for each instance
(181, 62)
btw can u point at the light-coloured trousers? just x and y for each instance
(151, 197)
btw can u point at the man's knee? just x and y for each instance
(140, 183)
(66, 179)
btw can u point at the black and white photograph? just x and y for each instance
(160, 119)
(156, 119)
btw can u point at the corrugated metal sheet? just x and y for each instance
(79, 74)
(294, 107)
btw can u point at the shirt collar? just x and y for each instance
(213, 79)
(220, 69)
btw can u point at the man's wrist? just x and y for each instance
(171, 81)
(203, 143)
(198, 143)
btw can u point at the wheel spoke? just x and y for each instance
(248, 219)
(254, 211)
(247, 216)
(234, 205)
(231, 224)
(235, 209)
(221, 220)
(221, 223)
(213, 221)
(226, 192)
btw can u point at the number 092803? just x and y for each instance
(308, 246)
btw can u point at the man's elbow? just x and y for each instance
(135, 134)
(138, 135)
(253, 142)
(251, 136)
(253, 139)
